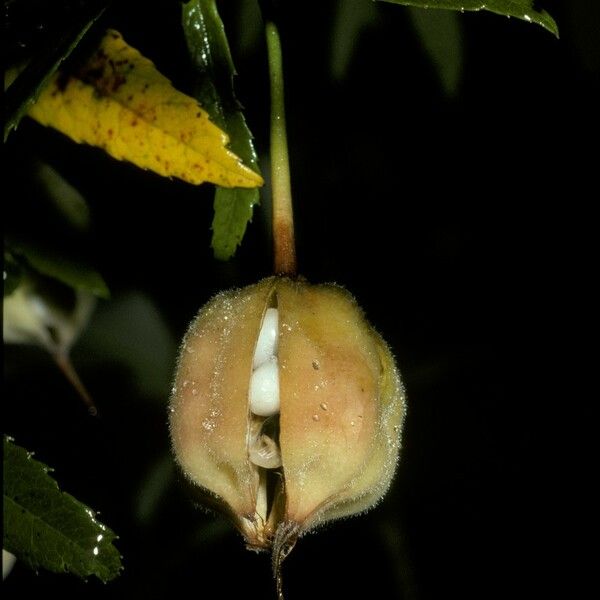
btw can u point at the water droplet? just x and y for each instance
(352, 423)
(96, 551)
(315, 417)
(323, 405)
(99, 538)
(527, 18)
(194, 391)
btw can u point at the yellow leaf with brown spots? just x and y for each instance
(120, 102)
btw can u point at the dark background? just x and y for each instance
(463, 227)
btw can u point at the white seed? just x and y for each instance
(266, 346)
(264, 389)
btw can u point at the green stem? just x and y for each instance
(284, 245)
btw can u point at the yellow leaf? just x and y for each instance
(121, 103)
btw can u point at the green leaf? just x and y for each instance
(58, 265)
(233, 207)
(440, 33)
(233, 210)
(25, 89)
(47, 528)
(522, 9)
(208, 47)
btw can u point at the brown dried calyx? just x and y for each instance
(287, 407)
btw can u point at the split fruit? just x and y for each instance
(287, 409)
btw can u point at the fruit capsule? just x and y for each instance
(287, 408)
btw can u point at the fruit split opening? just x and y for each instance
(264, 451)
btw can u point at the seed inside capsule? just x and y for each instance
(264, 389)
(264, 382)
(263, 396)
(266, 345)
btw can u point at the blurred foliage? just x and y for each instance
(439, 32)
(64, 267)
(349, 21)
(441, 36)
(48, 226)
(50, 288)
(131, 331)
(583, 20)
